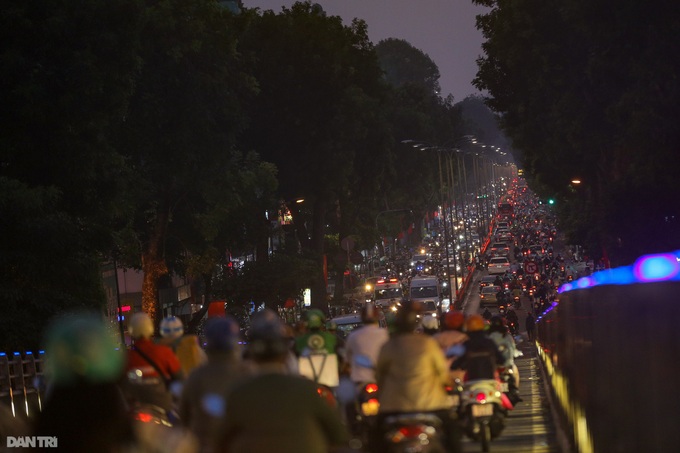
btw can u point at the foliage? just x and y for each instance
(67, 71)
(585, 89)
(404, 64)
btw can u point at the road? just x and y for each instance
(529, 427)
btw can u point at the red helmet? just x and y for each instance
(454, 320)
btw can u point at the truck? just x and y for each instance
(387, 292)
(426, 292)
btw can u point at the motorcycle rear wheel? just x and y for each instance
(485, 437)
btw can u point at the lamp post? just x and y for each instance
(423, 146)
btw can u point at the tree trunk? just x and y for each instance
(154, 267)
(319, 292)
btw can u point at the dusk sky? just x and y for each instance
(443, 29)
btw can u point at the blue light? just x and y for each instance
(29, 352)
(648, 268)
(41, 352)
(2, 354)
(585, 282)
(652, 268)
(17, 353)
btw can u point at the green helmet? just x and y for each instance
(315, 318)
(79, 346)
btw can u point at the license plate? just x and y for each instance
(454, 400)
(370, 408)
(504, 387)
(482, 410)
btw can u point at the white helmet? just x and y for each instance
(172, 327)
(141, 326)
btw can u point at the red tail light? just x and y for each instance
(411, 430)
(481, 397)
(371, 388)
(143, 417)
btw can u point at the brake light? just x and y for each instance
(480, 397)
(411, 431)
(380, 281)
(393, 280)
(371, 388)
(143, 417)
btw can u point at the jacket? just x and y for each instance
(412, 374)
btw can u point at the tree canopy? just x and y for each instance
(587, 90)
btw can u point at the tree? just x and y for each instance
(584, 90)
(179, 130)
(317, 78)
(404, 64)
(67, 72)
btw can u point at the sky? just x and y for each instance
(443, 29)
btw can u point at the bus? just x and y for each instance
(505, 210)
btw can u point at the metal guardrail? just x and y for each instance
(20, 382)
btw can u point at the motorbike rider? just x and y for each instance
(363, 346)
(203, 402)
(498, 332)
(481, 357)
(487, 314)
(412, 375)
(512, 318)
(83, 406)
(186, 347)
(151, 367)
(315, 339)
(274, 410)
(452, 335)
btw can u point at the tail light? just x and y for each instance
(143, 417)
(371, 388)
(480, 397)
(411, 431)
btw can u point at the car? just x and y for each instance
(498, 265)
(488, 295)
(486, 280)
(347, 323)
(500, 249)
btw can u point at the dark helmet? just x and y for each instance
(406, 321)
(369, 314)
(222, 334)
(268, 338)
(497, 323)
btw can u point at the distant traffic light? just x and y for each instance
(551, 201)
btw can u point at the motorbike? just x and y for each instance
(363, 412)
(512, 327)
(413, 432)
(482, 411)
(158, 431)
(509, 384)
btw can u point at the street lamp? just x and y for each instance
(422, 146)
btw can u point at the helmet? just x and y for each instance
(141, 326)
(79, 347)
(172, 327)
(430, 322)
(406, 321)
(474, 323)
(315, 318)
(454, 320)
(369, 314)
(222, 334)
(268, 336)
